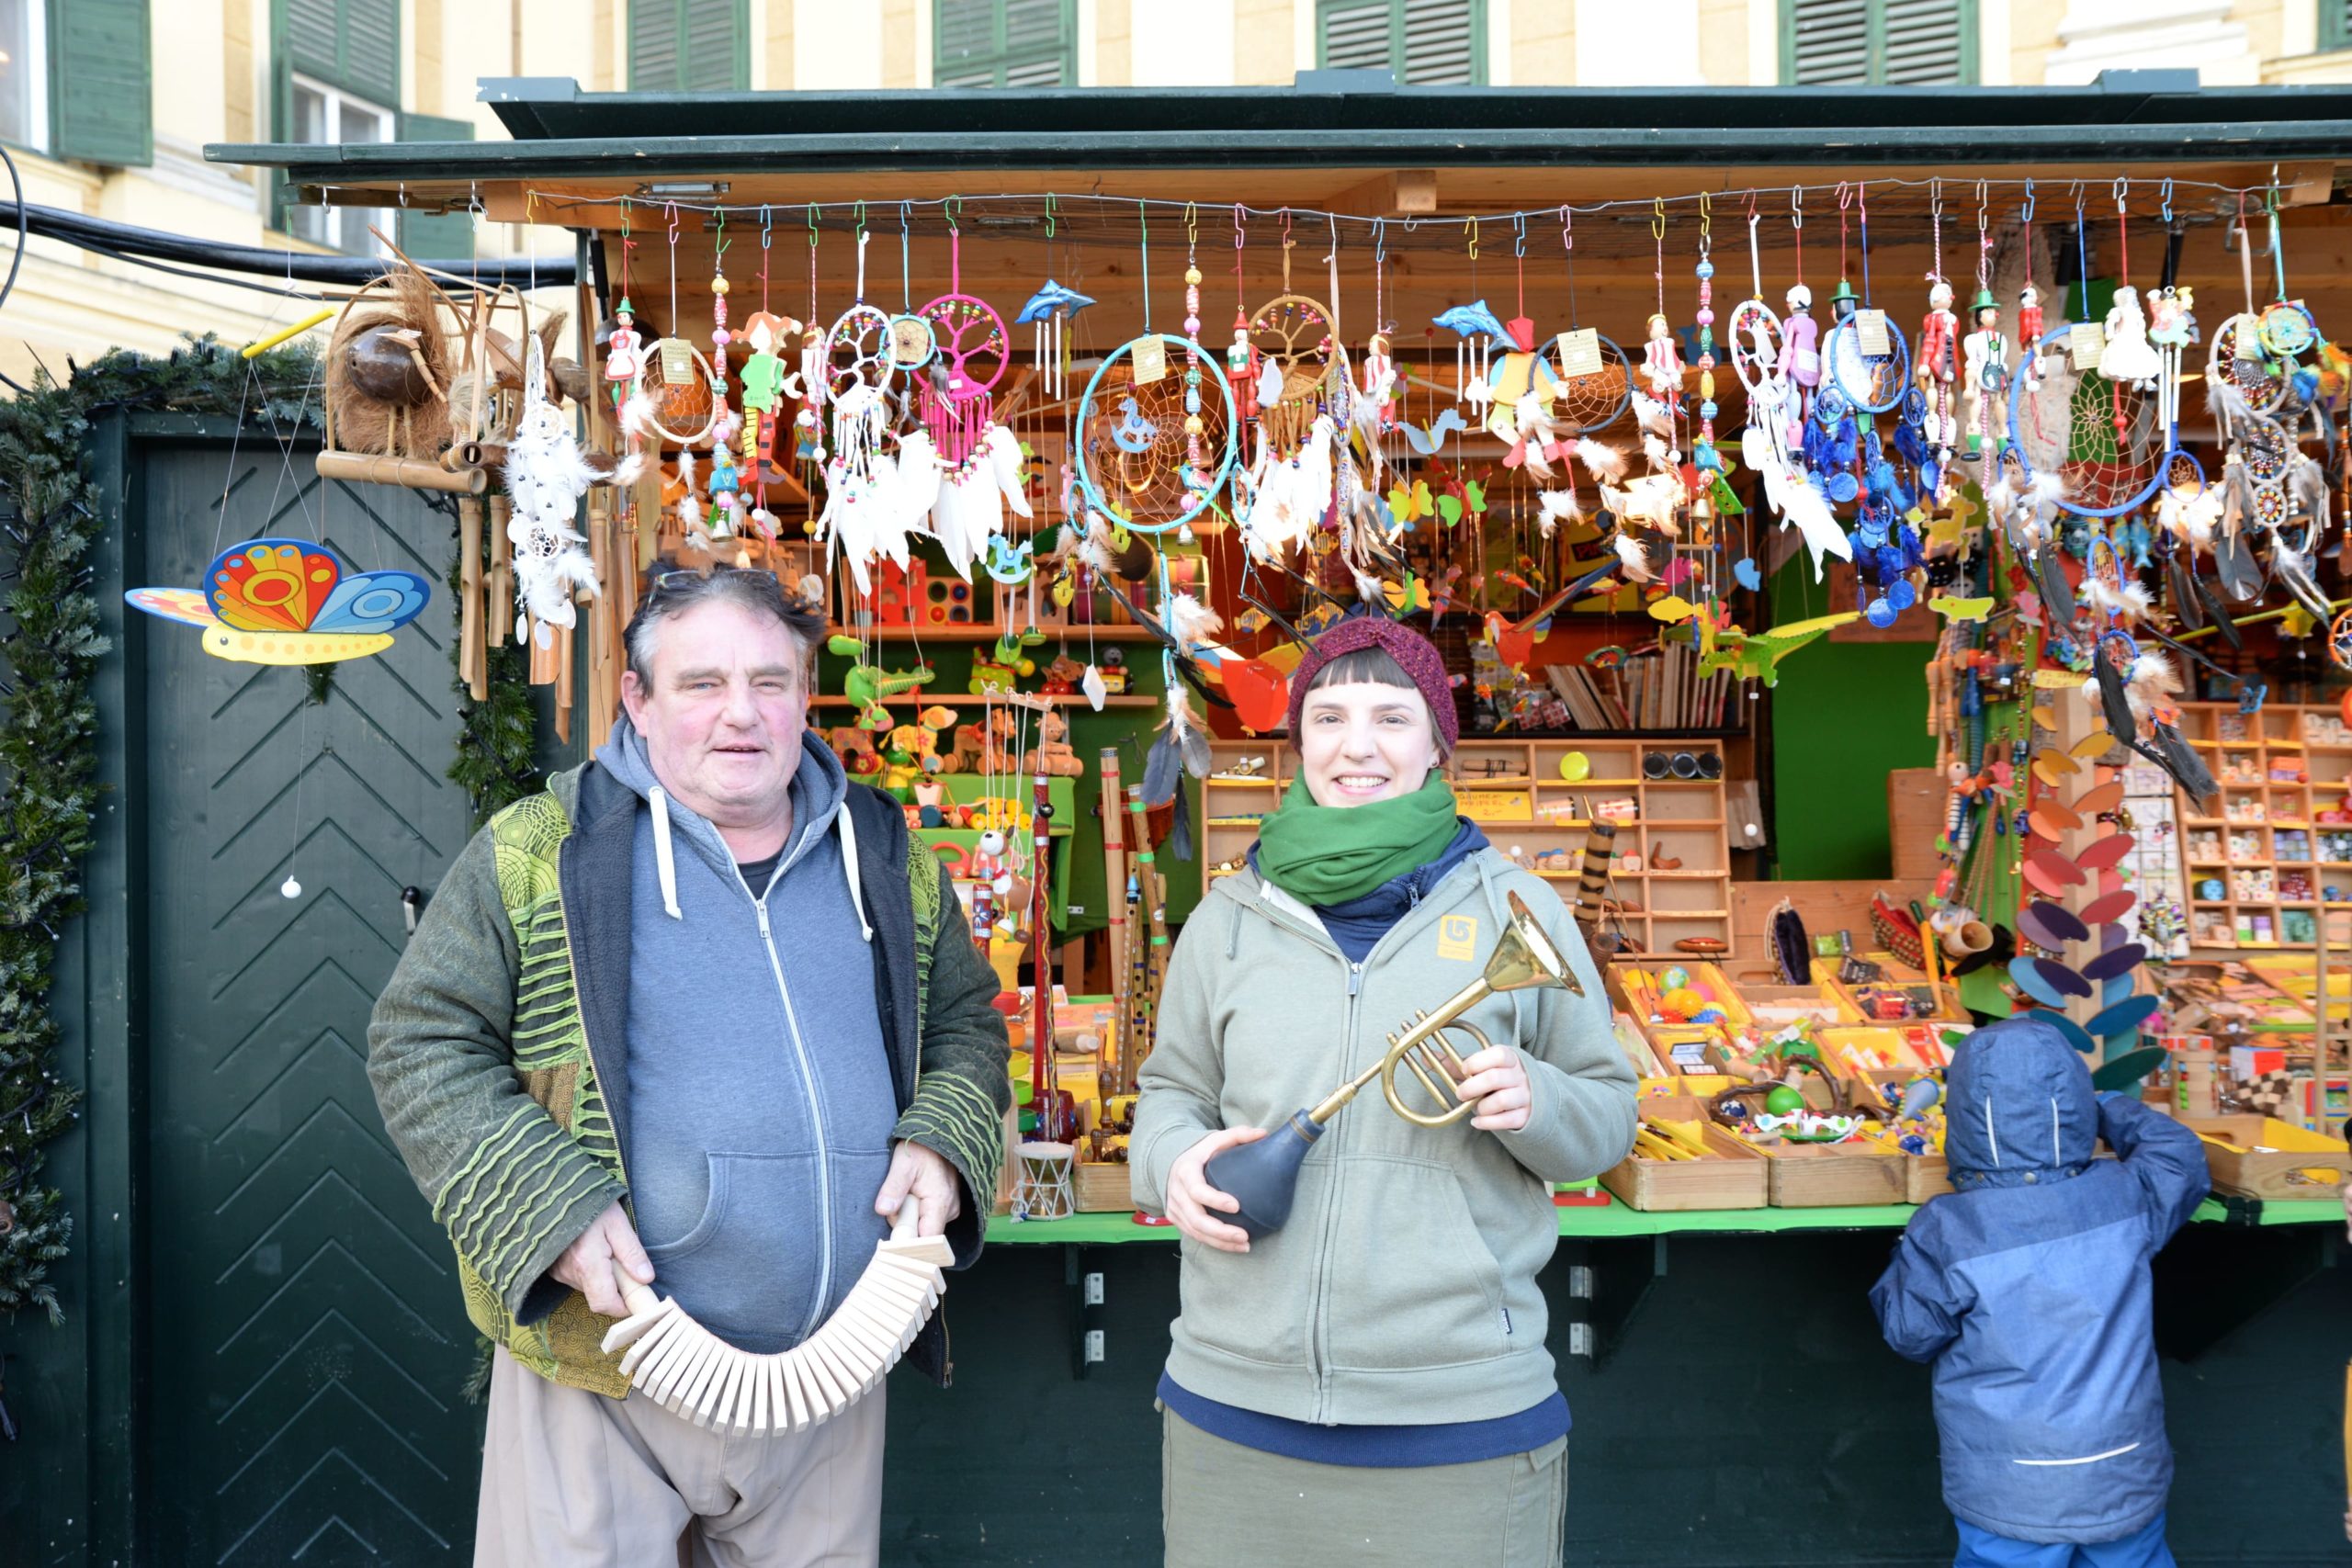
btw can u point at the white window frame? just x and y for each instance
(36, 137)
(340, 228)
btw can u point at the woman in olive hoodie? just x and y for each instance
(1394, 1321)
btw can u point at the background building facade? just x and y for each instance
(107, 105)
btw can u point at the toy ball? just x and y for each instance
(1685, 1001)
(1575, 767)
(1675, 978)
(1708, 1015)
(1784, 1101)
(1669, 1013)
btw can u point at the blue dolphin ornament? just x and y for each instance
(1474, 320)
(1051, 300)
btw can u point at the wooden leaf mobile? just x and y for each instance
(289, 602)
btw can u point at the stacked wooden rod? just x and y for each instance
(1147, 965)
(1118, 1072)
(687, 1369)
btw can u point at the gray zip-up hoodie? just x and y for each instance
(760, 1090)
(1403, 1290)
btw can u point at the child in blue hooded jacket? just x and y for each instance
(2028, 1289)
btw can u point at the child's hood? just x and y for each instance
(2019, 1107)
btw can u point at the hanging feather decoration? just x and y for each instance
(2114, 695)
(1180, 747)
(1603, 462)
(2176, 756)
(2293, 568)
(2130, 602)
(1555, 507)
(1180, 832)
(1192, 623)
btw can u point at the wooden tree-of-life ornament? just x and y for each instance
(1292, 332)
(1154, 444)
(972, 349)
(289, 602)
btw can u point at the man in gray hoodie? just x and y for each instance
(702, 1012)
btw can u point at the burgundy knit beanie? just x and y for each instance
(1414, 654)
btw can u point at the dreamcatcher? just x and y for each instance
(1141, 461)
(2101, 441)
(1594, 379)
(857, 366)
(1867, 361)
(971, 349)
(1291, 349)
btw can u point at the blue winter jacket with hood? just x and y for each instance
(2028, 1289)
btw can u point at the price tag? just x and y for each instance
(1689, 1056)
(2086, 346)
(677, 361)
(1580, 352)
(1151, 360)
(1870, 333)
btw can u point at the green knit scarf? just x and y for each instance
(1328, 854)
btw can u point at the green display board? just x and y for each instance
(1844, 716)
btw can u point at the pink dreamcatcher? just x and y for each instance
(958, 402)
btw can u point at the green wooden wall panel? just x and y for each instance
(308, 1344)
(436, 236)
(1844, 716)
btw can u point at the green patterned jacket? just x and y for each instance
(498, 1060)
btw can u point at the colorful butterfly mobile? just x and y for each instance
(289, 602)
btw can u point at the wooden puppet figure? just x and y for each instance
(1936, 365)
(1662, 362)
(1986, 358)
(1800, 340)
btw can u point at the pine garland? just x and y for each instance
(493, 764)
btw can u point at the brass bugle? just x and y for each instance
(1525, 959)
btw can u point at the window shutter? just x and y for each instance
(1878, 42)
(1356, 35)
(1443, 43)
(1831, 43)
(436, 236)
(1922, 44)
(99, 82)
(351, 44)
(2336, 23)
(689, 45)
(1004, 43)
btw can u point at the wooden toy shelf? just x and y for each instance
(2261, 873)
(1519, 795)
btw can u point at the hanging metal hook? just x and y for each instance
(2028, 216)
(2166, 199)
(1471, 228)
(1796, 206)
(1706, 218)
(2122, 191)
(1935, 197)
(1192, 224)
(861, 220)
(767, 226)
(1567, 226)
(1053, 216)
(1983, 189)
(812, 225)
(670, 210)
(1657, 217)
(1518, 234)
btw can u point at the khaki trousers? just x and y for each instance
(1222, 1506)
(571, 1479)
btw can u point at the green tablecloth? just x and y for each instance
(1617, 1220)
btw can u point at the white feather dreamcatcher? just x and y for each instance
(546, 477)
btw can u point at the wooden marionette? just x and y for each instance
(2029, 328)
(1985, 361)
(1937, 364)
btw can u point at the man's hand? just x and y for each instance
(1195, 1205)
(1496, 1078)
(936, 1188)
(587, 1264)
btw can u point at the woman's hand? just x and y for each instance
(1194, 1205)
(1495, 1079)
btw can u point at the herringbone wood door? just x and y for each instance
(307, 1341)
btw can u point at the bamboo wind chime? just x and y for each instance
(1148, 967)
(1119, 1070)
